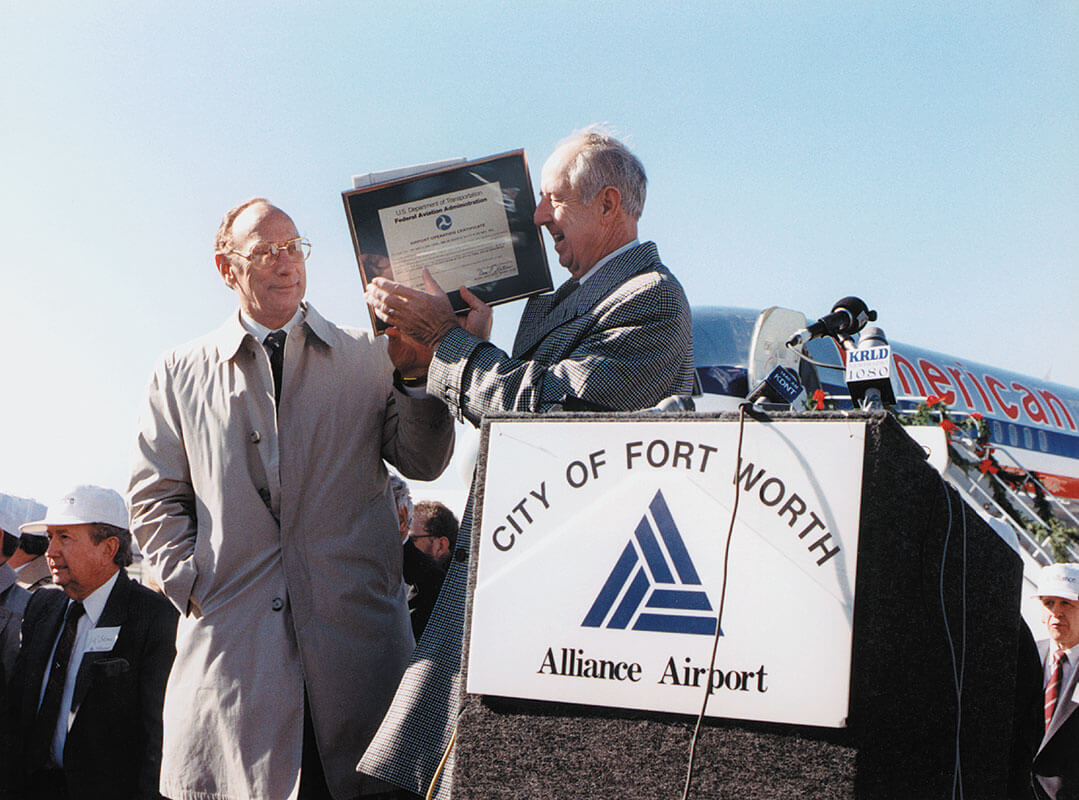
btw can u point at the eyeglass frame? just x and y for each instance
(275, 251)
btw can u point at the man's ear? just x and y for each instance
(610, 201)
(224, 266)
(111, 544)
(443, 546)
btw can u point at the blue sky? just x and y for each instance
(922, 156)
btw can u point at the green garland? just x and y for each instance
(1045, 528)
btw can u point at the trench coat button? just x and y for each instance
(256, 437)
(277, 604)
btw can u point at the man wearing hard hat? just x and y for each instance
(83, 715)
(1056, 765)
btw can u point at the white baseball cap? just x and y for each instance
(1059, 580)
(14, 511)
(82, 505)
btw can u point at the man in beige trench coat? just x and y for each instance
(268, 522)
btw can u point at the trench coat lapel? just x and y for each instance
(538, 319)
(114, 615)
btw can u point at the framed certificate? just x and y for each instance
(470, 224)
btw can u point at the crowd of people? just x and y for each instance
(303, 635)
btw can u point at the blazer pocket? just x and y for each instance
(111, 667)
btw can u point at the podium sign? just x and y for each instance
(601, 559)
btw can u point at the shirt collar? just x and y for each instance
(231, 335)
(95, 603)
(1072, 652)
(260, 331)
(605, 259)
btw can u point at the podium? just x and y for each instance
(923, 640)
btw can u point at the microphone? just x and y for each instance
(869, 371)
(848, 316)
(782, 385)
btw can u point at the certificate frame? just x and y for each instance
(417, 198)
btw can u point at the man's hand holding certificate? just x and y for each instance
(419, 320)
(467, 224)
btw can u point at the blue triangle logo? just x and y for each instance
(642, 593)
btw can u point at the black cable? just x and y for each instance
(958, 665)
(719, 616)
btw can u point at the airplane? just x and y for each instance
(1032, 424)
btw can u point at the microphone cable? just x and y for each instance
(794, 349)
(441, 765)
(719, 615)
(958, 664)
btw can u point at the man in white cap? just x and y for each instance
(1056, 765)
(83, 713)
(14, 593)
(31, 569)
(13, 600)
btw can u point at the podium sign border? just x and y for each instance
(539, 613)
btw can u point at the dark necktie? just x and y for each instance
(49, 711)
(275, 346)
(1052, 689)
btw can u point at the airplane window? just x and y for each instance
(1013, 435)
(1028, 439)
(1043, 442)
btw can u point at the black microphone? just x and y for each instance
(848, 316)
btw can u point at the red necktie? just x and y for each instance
(1052, 689)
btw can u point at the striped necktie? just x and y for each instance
(1052, 689)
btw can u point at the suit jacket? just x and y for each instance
(621, 341)
(113, 748)
(35, 574)
(275, 534)
(1056, 764)
(13, 599)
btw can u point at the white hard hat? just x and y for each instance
(82, 505)
(1059, 580)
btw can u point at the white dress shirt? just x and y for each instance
(1069, 667)
(605, 259)
(260, 331)
(93, 606)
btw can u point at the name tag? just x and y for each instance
(102, 640)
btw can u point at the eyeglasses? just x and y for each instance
(267, 252)
(426, 536)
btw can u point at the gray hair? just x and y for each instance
(402, 498)
(602, 160)
(100, 531)
(223, 238)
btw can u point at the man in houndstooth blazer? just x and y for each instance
(617, 336)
